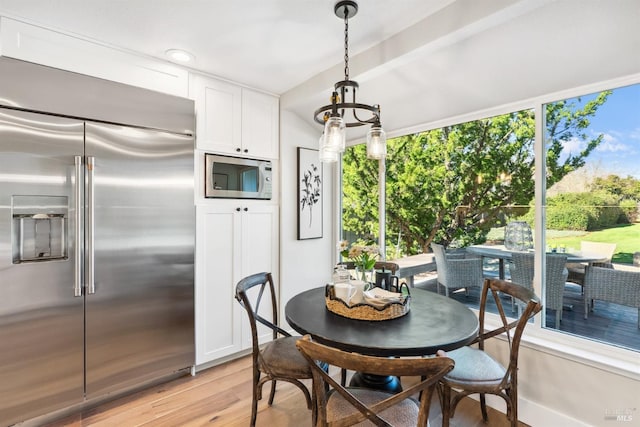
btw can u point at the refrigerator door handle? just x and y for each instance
(77, 287)
(90, 226)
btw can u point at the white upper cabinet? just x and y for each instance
(234, 120)
(260, 124)
(218, 115)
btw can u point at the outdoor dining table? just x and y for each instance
(434, 322)
(501, 253)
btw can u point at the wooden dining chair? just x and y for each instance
(475, 370)
(345, 406)
(279, 359)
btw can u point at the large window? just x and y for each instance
(468, 185)
(592, 212)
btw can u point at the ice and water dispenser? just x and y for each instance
(39, 228)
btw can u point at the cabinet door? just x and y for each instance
(218, 314)
(259, 239)
(260, 124)
(218, 113)
(235, 239)
(259, 253)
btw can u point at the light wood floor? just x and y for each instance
(221, 396)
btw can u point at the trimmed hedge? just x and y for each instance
(569, 217)
(629, 210)
(581, 211)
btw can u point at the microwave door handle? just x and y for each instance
(259, 179)
(77, 253)
(90, 226)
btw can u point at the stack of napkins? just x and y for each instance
(379, 297)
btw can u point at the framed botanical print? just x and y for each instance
(309, 194)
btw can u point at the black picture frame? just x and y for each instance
(310, 194)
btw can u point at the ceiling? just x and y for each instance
(422, 60)
(269, 44)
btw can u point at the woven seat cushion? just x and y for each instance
(576, 275)
(576, 267)
(474, 366)
(283, 358)
(404, 413)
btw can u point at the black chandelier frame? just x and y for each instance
(346, 9)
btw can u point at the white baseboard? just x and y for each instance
(534, 414)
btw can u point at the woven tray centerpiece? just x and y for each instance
(376, 309)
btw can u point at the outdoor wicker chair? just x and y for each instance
(616, 286)
(577, 270)
(556, 276)
(455, 272)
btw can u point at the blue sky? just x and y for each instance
(619, 120)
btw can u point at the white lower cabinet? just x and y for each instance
(235, 239)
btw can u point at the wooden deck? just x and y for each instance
(609, 323)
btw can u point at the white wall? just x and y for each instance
(304, 264)
(557, 390)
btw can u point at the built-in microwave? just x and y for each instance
(230, 177)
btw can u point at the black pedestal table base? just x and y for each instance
(390, 384)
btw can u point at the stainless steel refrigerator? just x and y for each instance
(97, 228)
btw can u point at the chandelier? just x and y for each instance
(344, 111)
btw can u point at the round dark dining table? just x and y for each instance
(434, 322)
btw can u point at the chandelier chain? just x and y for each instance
(346, 45)
(343, 97)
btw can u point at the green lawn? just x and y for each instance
(626, 237)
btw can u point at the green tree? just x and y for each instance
(456, 182)
(565, 122)
(625, 188)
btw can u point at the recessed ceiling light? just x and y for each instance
(179, 55)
